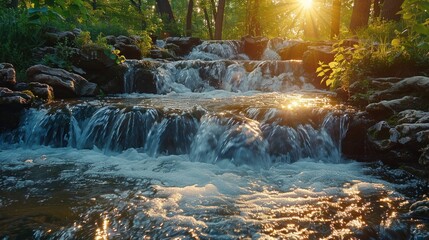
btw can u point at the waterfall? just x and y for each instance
(205, 76)
(216, 50)
(256, 137)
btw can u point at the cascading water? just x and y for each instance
(219, 149)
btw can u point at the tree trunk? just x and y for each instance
(360, 14)
(208, 21)
(189, 18)
(254, 26)
(390, 10)
(94, 4)
(13, 4)
(219, 19)
(377, 8)
(164, 8)
(212, 2)
(336, 17)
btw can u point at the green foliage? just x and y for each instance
(144, 42)
(18, 38)
(84, 38)
(101, 42)
(62, 57)
(349, 65)
(414, 37)
(385, 49)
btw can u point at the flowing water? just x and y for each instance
(226, 149)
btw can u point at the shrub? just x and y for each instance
(18, 38)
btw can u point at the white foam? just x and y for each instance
(201, 196)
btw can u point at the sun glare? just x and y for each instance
(307, 3)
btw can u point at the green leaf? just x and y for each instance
(422, 29)
(423, 5)
(407, 16)
(333, 64)
(321, 74)
(339, 57)
(423, 45)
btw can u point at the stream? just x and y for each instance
(227, 148)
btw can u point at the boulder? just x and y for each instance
(110, 80)
(354, 144)
(130, 51)
(424, 158)
(53, 38)
(7, 75)
(92, 58)
(387, 108)
(417, 86)
(316, 54)
(64, 83)
(77, 31)
(294, 50)
(110, 39)
(311, 59)
(419, 210)
(21, 86)
(254, 47)
(13, 100)
(379, 136)
(404, 137)
(124, 39)
(413, 116)
(140, 78)
(186, 44)
(171, 48)
(373, 84)
(415, 133)
(160, 53)
(41, 52)
(11, 105)
(40, 90)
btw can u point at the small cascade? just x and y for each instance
(205, 76)
(217, 50)
(273, 47)
(255, 136)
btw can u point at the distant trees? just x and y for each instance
(188, 30)
(385, 9)
(253, 14)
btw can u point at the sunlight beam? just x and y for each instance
(306, 4)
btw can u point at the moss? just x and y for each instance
(29, 93)
(393, 120)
